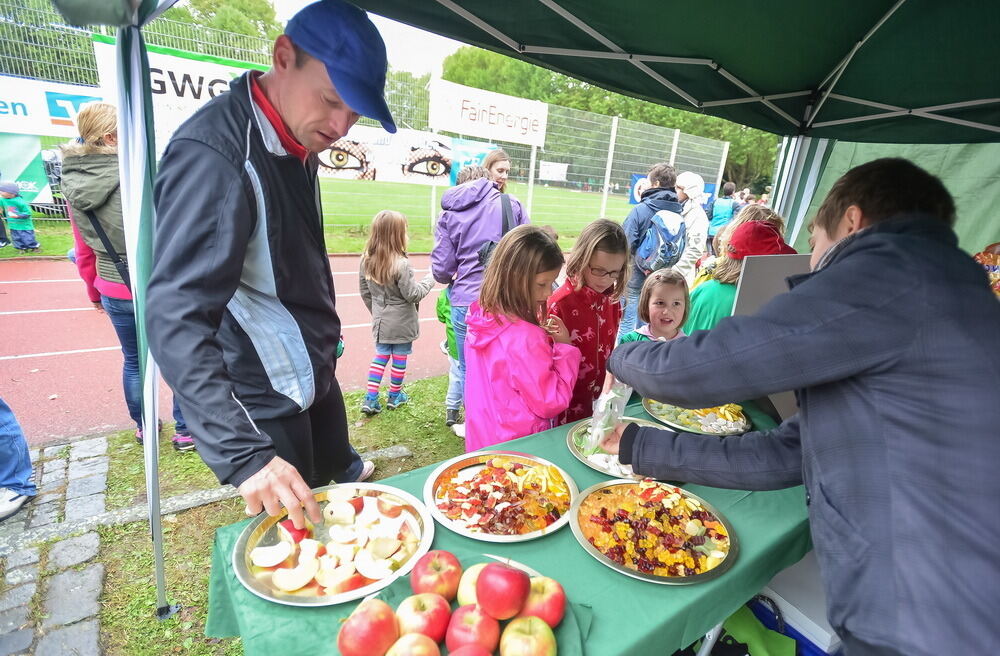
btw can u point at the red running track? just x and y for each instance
(60, 363)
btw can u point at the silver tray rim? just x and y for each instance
(687, 429)
(583, 423)
(431, 485)
(715, 572)
(242, 546)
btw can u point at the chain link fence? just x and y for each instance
(36, 43)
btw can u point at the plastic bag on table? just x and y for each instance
(608, 411)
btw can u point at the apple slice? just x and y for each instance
(344, 553)
(389, 508)
(388, 528)
(290, 580)
(309, 548)
(372, 568)
(381, 548)
(271, 555)
(289, 533)
(340, 512)
(330, 574)
(369, 514)
(343, 534)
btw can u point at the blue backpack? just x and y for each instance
(663, 242)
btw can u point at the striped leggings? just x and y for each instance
(396, 373)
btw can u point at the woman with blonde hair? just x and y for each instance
(91, 186)
(497, 163)
(391, 293)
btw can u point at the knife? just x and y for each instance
(515, 564)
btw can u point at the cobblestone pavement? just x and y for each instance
(52, 578)
(57, 616)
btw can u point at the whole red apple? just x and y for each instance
(501, 590)
(470, 650)
(437, 571)
(414, 644)
(546, 601)
(369, 631)
(427, 613)
(527, 636)
(469, 625)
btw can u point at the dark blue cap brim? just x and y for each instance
(362, 98)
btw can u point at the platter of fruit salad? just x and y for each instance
(653, 532)
(721, 420)
(606, 463)
(370, 535)
(500, 496)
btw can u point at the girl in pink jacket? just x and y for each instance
(520, 368)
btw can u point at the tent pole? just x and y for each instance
(722, 168)
(531, 178)
(607, 167)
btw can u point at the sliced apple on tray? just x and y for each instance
(273, 555)
(291, 579)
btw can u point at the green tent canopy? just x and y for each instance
(903, 71)
(888, 71)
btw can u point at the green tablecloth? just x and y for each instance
(628, 616)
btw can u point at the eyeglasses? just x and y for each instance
(601, 273)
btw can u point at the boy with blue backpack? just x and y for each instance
(656, 237)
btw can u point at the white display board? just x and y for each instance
(762, 279)
(37, 107)
(494, 116)
(554, 171)
(182, 82)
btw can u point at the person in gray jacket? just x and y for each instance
(891, 346)
(391, 293)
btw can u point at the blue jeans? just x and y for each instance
(122, 315)
(458, 313)
(630, 305)
(456, 381)
(23, 239)
(405, 348)
(15, 462)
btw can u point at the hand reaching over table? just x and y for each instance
(279, 484)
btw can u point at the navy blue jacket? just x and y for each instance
(893, 348)
(638, 222)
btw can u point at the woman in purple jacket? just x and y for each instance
(471, 217)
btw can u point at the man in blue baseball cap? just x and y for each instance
(241, 309)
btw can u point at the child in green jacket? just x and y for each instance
(18, 213)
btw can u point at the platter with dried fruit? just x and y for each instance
(722, 420)
(371, 534)
(500, 496)
(602, 461)
(654, 532)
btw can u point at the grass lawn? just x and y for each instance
(350, 205)
(128, 624)
(55, 237)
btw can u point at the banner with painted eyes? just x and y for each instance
(368, 153)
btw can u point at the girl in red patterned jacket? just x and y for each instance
(589, 303)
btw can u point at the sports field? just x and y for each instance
(349, 206)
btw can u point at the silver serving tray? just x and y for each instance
(713, 573)
(647, 405)
(580, 430)
(264, 530)
(449, 468)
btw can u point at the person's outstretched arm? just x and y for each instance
(759, 460)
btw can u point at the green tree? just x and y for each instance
(34, 42)
(751, 152)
